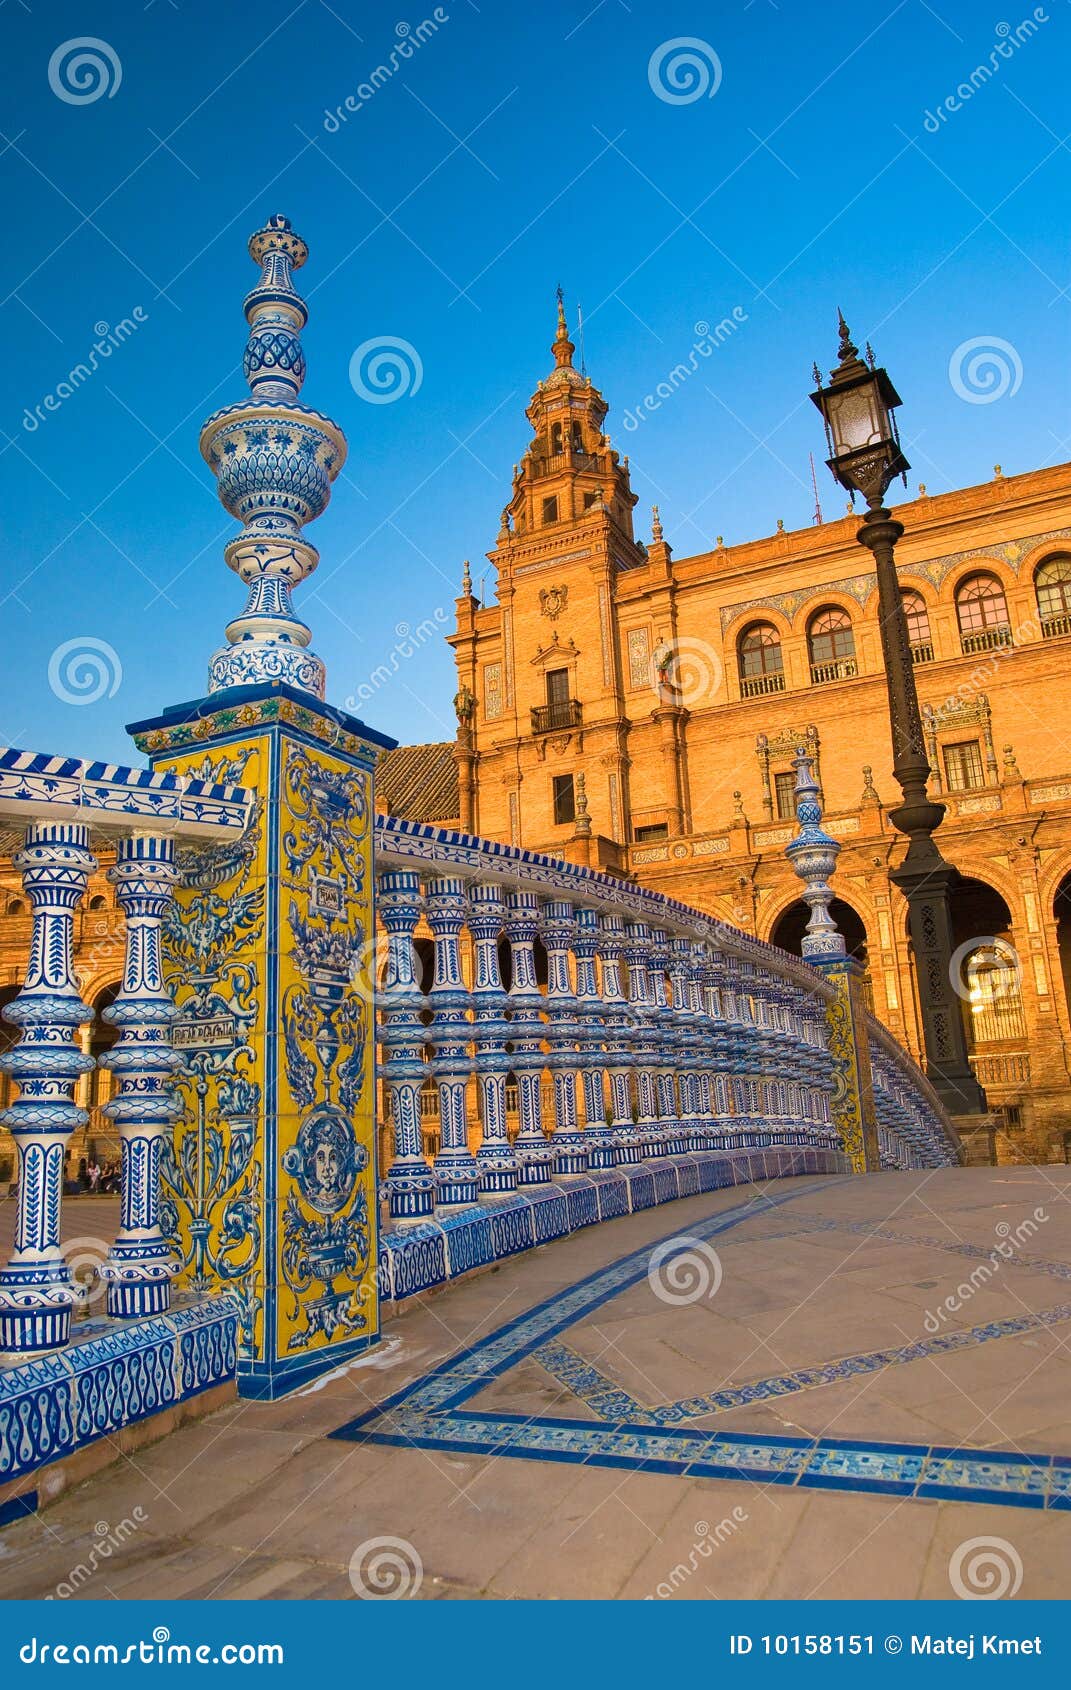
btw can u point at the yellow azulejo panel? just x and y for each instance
(215, 1169)
(326, 1237)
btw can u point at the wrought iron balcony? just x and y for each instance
(987, 639)
(554, 718)
(754, 686)
(839, 669)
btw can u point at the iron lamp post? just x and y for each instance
(857, 408)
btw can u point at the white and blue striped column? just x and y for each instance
(37, 1295)
(535, 1157)
(618, 1058)
(495, 1159)
(456, 1174)
(644, 1037)
(410, 1183)
(597, 1136)
(140, 1264)
(558, 932)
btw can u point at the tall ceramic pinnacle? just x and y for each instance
(274, 460)
(813, 855)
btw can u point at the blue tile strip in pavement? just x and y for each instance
(432, 1412)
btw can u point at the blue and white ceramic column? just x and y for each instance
(597, 1136)
(37, 1295)
(618, 1059)
(456, 1174)
(665, 1047)
(644, 1037)
(813, 854)
(141, 1263)
(558, 932)
(686, 1040)
(490, 1031)
(410, 1183)
(535, 1157)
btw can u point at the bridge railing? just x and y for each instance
(663, 1032)
(913, 1127)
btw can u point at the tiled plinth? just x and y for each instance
(419, 1258)
(112, 1375)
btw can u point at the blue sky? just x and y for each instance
(819, 165)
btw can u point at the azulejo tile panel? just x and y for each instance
(111, 1378)
(437, 1411)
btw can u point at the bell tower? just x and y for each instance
(543, 664)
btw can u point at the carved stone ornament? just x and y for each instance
(552, 601)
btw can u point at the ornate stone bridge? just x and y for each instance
(276, 930)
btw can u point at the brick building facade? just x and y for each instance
(640, 711)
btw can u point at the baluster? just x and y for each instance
(687, 1041)
(709, 1048)
(644, 1038)
(456, 1174)
(670, 1121)
(619, 1060)
(140, 1264)
(37, 1295)
(490, 1030)
(558, 929)
(535, 1158)
(597, 1137)
(410, 1183)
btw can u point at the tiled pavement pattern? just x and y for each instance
(262, 1500)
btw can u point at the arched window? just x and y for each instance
(760, 662)
(983, 613)
(15, 906)
(99, 902)
(1052, 583)
(918, 626)
(832, 645)
(994, 1000)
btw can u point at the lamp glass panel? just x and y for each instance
(856, 418)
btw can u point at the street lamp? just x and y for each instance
(857, 408)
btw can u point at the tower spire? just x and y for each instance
(563, 347)
(274, 460)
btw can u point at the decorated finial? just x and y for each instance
(563, 347)
(580, 795)
(274, 460)
(656, 524)
(870, 791)
(813, 855)
(847, 348)
(466, 580)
